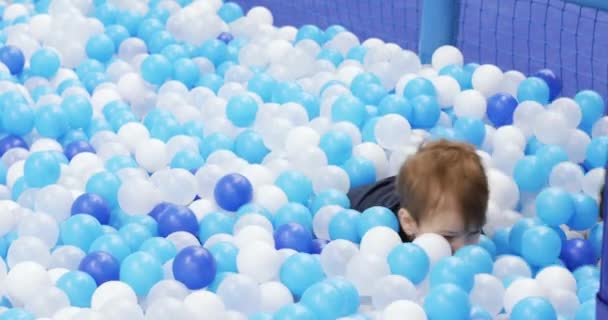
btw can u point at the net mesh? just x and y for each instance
(524, 35)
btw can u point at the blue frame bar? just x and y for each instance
(439, 26)
(597, 4)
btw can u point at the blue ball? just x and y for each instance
(293, 236)
(419, 87)
(213, 142)
(79, 287)
(597, 152)
(372, 94)
(318, 245)
(533, 89)
(93, 80)
(460, 74)
(262, 84)
(187, 159)
(393, 103)
(211, 81)
(360, 171)
(44, 63)
(588, 291)
(452, 270)
(324, 300)
(362, 80)
(10, 142)
(130, 20)
(477, 257)
(552, 80)
(554, 206)
(516, 233)
(541, 246)
(337, 146)
(41, 169)
(343, 225)
(163, 249)
(596, 238)
(230, 11)
(586, 212)
(186, 72)
(214, 50)
(250, 146)
(473, 130)
(350, 297)
(100, 265)
(551, 155)
(348, 108)
(159, 40)
(232, 191)
(112, 244)
(148, 27)
(297, 186)
(500, 109)
(116, 163)
(529, 174)
(328, 197)
(333, 56)
(447, 301)
(241, 110)
(51, 121)
(76, 147)
(141, 271)
(533, 308)
(135, 234)
(410, 261)
(299, 272)
(80, 231)
(92, 204)
(225, 254)
(592, 108)
(311, 32)
(426, 111)
(311, 104)
(225, 37)
(376, 217)
(214, 223)
(100, 47)
(156, 69)
(13, 58)
(577, 253)
(18, 119)
(293, 212)
(294, 311)
(195, 267)
(174, 52)
(177, 218)
(587, 311)
(286, 92)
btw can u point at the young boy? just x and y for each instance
(441, 189)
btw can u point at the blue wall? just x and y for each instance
(525, 35)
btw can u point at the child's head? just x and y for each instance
(443, 189)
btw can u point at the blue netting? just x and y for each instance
(524, 35)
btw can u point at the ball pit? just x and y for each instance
(187, 159)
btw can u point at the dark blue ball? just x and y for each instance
(94, 205)
(177, 218)
(232, 191)
(77, 147)
(318, 245)
(226, 37)
(100, 265)
(195, 267)
(159, 209)
(552, 80)
(500, 109)
(13, 58)
(577, 253)
(293, 236)
(10, 142)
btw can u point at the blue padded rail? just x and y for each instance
(598, 4)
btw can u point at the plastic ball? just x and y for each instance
(92, 204)
(500, 109)
(417, 87)
(552, 80)
(18, 120)
(535, 307)
(487, 79)
(554, 206)
(195, 267)
(156, 69)
(258, 260)
(232, 191)
(323, 299)
(299, 272)
(585, 214)
(488, 293)
(447, 301)
(177, 218)
(293, 236)
(79, 111)
(41, 169)
(13, 58)
(141, 271)
(534, 89)
(45, 62)
(592, 107)
(100, 47)
(80, 230)
(541, 246)
(519, 290)
(398, 308)
(294, 311)
(337, 146)
(79, 287)
(100, 265)
(576, 253)
(426, 112)
(478, 259)
(240, 293)
(365, 270)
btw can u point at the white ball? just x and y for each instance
(350, 129)
(205, 304)
(274, 296)
(470, 103)
(47, 302)
(322, 219)
(505, 157)
(567, 176)
(270, 197)
(28, 248)
(112, 290)
(168, 308)
(447, 55)
(397, 309)
(252, 219)
(365, 270)
(392, 131)
(175, 185)
(183, 239)
(138, 196)
(556, 277)
(133, 134)
(565, 302)
(57, 273)
(336, 255)
(207, 176)
(551, 128)
(373, 152)
(488, 293)
(152, 155)
(503, 190)
(68, 257)
(379, 241)
(240, 293)
(8, 220)
(122, 310)
(167, 288)
(592, 183)
(26, 280)
(252, 234)
(487, 79)
(435, 246)
(511, 81)
(301, 137)
(392, 288)
(525, 115)
(576, 145)
(519, 290)
(259, 260)
(41, 226)
(568, 108)
(447, 89)
(509, 135)
(330, 177)
(510, 266)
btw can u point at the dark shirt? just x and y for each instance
(382, 193)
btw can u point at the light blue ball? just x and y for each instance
(337, 146)
(554, 206)
(348, 108)
(541, 246)
(328, 197)
(156, 69)
(174, 52)
(535, 308)
(241, 110)
(230, 12)
(41, 169)
(112, 244)
(45, 62)
(293, 212)
(472, 129)
(597, 152)
(596, 238)
(141, 271)
(78, 286)
(447, 301)
(426, 112)
(529, 174)
(376, 217)
(333, 56)
(250, 146)
(350, 296)
(16, 314)
(587, 291)
(533, 89)
(477, 257)
(135, 235)
(293, 312)
(357, 53)
(410, 261)
(225, 254)
(186, 72)
(51, 121)
(453, 270)
(368, 133)
(100, 47)
(213, 142)
(18, 119)
(214, 223)
(592, 108)
(419, 87)
(324, 300)
(361, 171)
(586, 212)
(311, 32)
(80, 230)
(297, 186)
(262, 84)
(393, 103)
(344, 226)
(118, 34)
(163, 249)
(516, 233)
(187, 159)
(78, 110)
(105, 184)
(299, 272)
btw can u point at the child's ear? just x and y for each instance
(407, 222)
